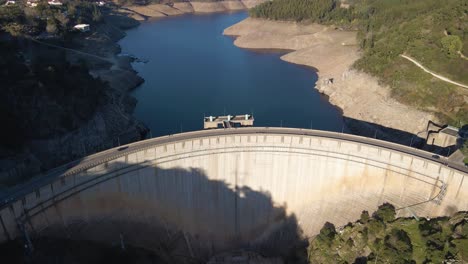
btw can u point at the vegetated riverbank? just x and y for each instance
(380, 238)
(332, 52)
(143, 12)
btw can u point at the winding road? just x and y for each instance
(445, 79)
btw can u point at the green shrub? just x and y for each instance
(364, 217)
(327, 233)
(297, 10)
(385, 213)
(397, 247)
(451, 45)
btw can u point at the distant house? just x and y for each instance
(10, 3)
(55, 3)
(82, 27)
(101, 3)
(31, 3)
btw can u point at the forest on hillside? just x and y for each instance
(433, 32)
(382, 238)
(298, 10)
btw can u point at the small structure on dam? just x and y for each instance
(447, 136)
(228, 121)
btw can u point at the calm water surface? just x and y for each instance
(193, 70)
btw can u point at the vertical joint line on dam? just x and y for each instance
(236, 197)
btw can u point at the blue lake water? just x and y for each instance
(195, 71)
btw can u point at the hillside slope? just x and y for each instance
(381, 238)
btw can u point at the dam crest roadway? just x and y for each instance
(209, 191)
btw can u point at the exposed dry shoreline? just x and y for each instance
(332, 52)
(162, 10)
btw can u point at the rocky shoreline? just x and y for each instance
(367, 106)
(141, 13)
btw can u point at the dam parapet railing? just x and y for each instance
(40, 195)
(82, 164)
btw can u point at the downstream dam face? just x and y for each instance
(201, 193)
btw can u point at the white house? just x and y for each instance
(55, 3)
(31, 3)
(82, 27)
(10, 2)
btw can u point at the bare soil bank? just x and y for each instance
(163, 10)
(332, 52)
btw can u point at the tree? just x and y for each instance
(385, 213)
(364, 217)
(61, 21)
(97, 16)
(451, 45)
(43, 9)
(51, 26)
(14, 29)
(298, 10)
(464, 150)
(11, 14)
(327, 233)
(396, 248)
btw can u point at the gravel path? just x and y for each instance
(440, 77)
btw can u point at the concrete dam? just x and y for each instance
(200, 193)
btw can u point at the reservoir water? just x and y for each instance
(192, 71)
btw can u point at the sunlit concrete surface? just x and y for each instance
(258, 188)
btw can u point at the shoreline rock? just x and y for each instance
(332, 52)
(143, 12)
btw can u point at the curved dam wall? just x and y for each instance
(196, 194)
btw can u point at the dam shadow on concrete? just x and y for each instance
(373, 130)
(183, 215)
